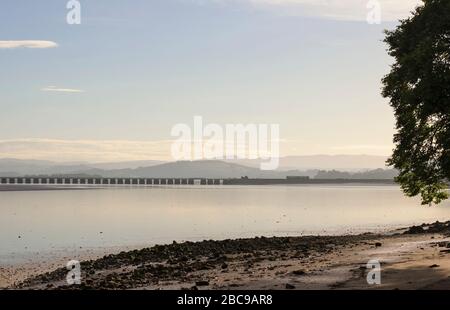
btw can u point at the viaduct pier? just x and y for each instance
(105, 182)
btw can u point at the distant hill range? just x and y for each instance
(20, 167)
(352, 167)
(325, 162)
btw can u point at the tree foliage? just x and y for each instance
(418, 87)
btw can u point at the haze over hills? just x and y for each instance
(325, 162)
(312, 166)
(202, 168)
(18, 167)
(341, 162)
(312, 162)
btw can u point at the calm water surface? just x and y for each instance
(69, 219)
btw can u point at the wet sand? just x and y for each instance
(19, 268)
(417, 259)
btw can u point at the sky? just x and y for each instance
(112, 87)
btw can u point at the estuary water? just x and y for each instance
(54, 220)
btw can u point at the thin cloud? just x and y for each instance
(126, 150)
(351, 10)
(27, 44)
(85, 150)
(62, 90)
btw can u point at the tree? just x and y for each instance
(418, 87)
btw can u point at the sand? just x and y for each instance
(418, 259)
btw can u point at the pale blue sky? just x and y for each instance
(144, 66)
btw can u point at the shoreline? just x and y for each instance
(417, 258)
(260, 182)
(17, 270)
